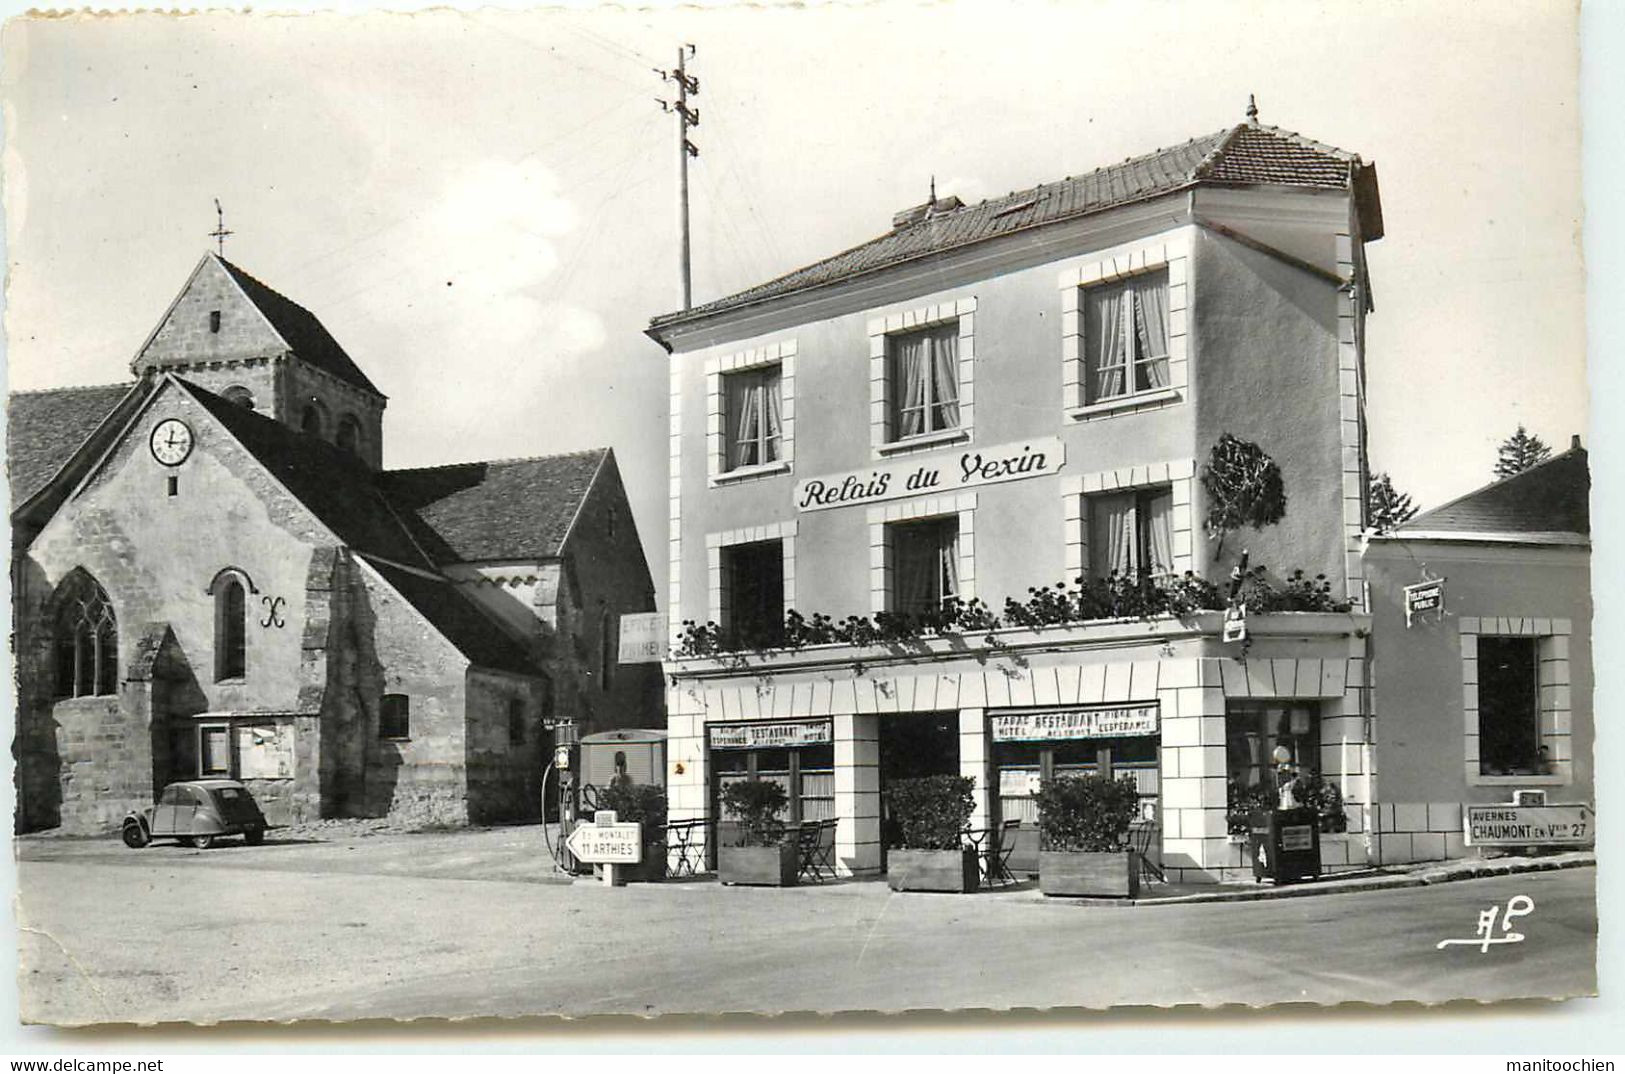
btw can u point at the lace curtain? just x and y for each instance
(753, 416)
(925, 380)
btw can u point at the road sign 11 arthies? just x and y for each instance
(970, 468)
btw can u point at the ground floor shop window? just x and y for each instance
(798, 755)
(1509, 706)
(1267, 745)
(1022, 766)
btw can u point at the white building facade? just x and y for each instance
(989, 400)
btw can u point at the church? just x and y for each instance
(214, 575)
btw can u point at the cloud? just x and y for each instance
(495, 228)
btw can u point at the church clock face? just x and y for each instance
(171, 441)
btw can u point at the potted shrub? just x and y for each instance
(760, 854)
(1083, 827)
(929, 817)
(1316, 792)
(645, 804)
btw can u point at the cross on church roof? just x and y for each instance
(219, 233)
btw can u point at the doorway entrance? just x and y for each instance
(913, 745)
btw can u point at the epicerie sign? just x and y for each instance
(643, 637)
(967, 469)
(756, 736)
(1119, 721)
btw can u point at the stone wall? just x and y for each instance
(607, 561)
(504, 774)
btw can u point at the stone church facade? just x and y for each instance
(214, 575)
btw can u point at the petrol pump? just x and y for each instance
(566, 765)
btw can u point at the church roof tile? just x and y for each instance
(509, 509)
(45, 428)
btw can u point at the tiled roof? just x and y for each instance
(300, 329)
(457, 619)
(1247, 153)
(1553, 497)
(511, 509)
(335, 485)
(45, 428)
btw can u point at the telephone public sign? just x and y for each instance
(1517, 826)
(1423, 597)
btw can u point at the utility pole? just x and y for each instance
(687, 86)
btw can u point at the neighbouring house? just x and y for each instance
(1489, 692)
(213, 575)
(993, 398)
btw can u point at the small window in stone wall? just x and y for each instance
(214, 321)
(395, 717)
(349, 434)
(230, 631)
(240, 395)
(516, 722)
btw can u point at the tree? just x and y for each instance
(1387, 507)
(1519, 452)
(1243, 487)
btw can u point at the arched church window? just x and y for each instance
(349, 434)
(239, 395)
(230, 630)
(86, 638)
(313, 419)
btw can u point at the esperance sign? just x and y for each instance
(780, 734)
(1120, 721)
(971, 468)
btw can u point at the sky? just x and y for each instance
(481, 205)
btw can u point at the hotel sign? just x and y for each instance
(1517, 826)
(1118, 721)
(968, 469)
(764, 736)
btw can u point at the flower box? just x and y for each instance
(1101, 874)
(932, 870)
(774, 865)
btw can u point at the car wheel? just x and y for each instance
(254, 836)
(134, 837)
(202, 842)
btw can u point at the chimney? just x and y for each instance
(925, 211)
(1574, 442)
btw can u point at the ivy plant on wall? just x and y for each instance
(1243, 487)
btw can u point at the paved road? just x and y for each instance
(388, 928)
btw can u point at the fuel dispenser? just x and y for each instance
(1284, 843)
(566, 766)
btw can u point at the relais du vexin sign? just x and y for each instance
(915, 476)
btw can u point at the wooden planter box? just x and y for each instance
(1109, 874)
(775, 865)
(932, 870)
(653, 866)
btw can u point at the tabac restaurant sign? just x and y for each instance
(968, 469)
(1118, 721)
(764, 736)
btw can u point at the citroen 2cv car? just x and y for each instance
(197, 812)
